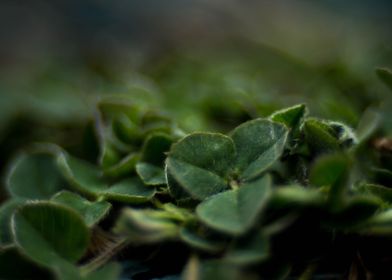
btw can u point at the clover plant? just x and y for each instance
(282, 196)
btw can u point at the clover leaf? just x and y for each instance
(92, 212)
(150, 168)
(50, 234)
(204, 164)
(236, 211)
(34, 176)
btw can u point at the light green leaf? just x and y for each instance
(146, 225)
(50, 234)
(379, 224)
(296, 196)
(131, 190)
(291, 116)
(259, 143)
(34, 176)
(92, 212)
(236, 211)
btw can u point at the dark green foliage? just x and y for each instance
(267, 197)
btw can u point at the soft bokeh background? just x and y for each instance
(208, 63)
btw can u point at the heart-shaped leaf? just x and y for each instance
(259, 143)
(92, 212)
(199, 163)
(34, 176)
(50, 234)
(131, 190)
(236, 211)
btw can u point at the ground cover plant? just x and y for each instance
(279, 195)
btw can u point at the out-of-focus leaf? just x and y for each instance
(385, 75)
(92, 212)
(15, 266)
(7, 209)
(34, 176)
(249, 250)
(50, 234)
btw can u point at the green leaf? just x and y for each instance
(151, 174)
(146, 225)
(50, 234)
(92, 212)
(329, 170)
(15, 266)
(368, 124)
(380, 191)
(110, 271)
(249, 250)
(131, 190)
(297, 197)
(7, 209)
(123, 167)
(81, 175)
(34, 176)
(385, 75)
(213, 269)
(199, 163)
(154, 148)
(198, 183)
(259, 143)
(151, 166)
(236, 211)
(379, 224)
(291, 116)
(199, 242)
(320, 137)
(211, 151)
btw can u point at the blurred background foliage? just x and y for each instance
(208, 64)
